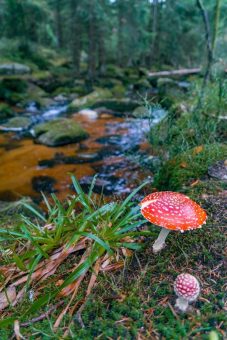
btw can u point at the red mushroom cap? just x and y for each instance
(187, 286)
(172, 210)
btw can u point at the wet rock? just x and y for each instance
(118, 106)
(16, 124)
(118, 91)
(141, 112)
(60, 98)
(5, 111)
(44, 184)
(90, 114)
(218, 170)
(141, 84)
(13, 90)
(109, 140)
(105, 185)
(60, 158)
(90, 99)
(59, 132)
(14, 68)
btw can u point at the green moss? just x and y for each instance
(13, 89)
(59, 132)
(91, 98)
(189, 166)
(5, 111)
(117, 105)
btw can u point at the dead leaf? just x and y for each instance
(17, 332)
(59, 283)
(197, 149)
(7, 297)
(113, 266)
(121, 297)
(194, 183)
(127, 252)
(183, 165)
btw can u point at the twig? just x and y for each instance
(42, 316)
(172, 310)
(90, 286)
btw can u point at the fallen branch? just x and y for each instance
(42, 316)
(182, 72)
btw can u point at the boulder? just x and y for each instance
(16, 124)
(59, 132)
(14, 69)
(5, 111)
(90, 99)
(141, 112)
(119, 106)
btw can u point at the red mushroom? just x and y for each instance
(171, 211)
(187, 289)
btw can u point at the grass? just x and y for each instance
(105, 233)
(189, 166)
(136, 299)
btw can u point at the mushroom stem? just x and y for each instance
(182, 304)
(160, 242)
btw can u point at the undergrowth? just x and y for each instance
(101, 235)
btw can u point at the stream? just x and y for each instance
(113, 151)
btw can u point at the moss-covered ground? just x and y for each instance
(137, 302)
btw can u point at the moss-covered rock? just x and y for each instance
(189, 166)
(141, 112)
(14, 68)
(142, 84)
(90, 99)
(59, 132)
(113, 71)
(13, 89)
(118, 91)
(16, 124)
(117, 105)
(5, 111)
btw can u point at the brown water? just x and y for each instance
(111, 152)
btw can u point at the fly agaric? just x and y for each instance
(171, 211)
(187, 289)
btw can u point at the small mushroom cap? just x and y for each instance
(172, 210)
(187, 287)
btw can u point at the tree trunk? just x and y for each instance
(75, 37)
(154, 9)
(58, 19)
(216, 24)
(92, 42)
(120, 40)
(101, 51)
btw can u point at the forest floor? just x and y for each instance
(137, 301)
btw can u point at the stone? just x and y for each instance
(5, 111)
(218, 170)
(90, 99)
(44, 184)
(16, 124)
(90, 114)
(59, 132)
(119, 106)
(141, 112)
(14, 68)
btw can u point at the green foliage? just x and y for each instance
(108, 227)
(188, 166)
(178, 131)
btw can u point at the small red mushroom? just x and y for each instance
(187, 289)
(171, 211)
